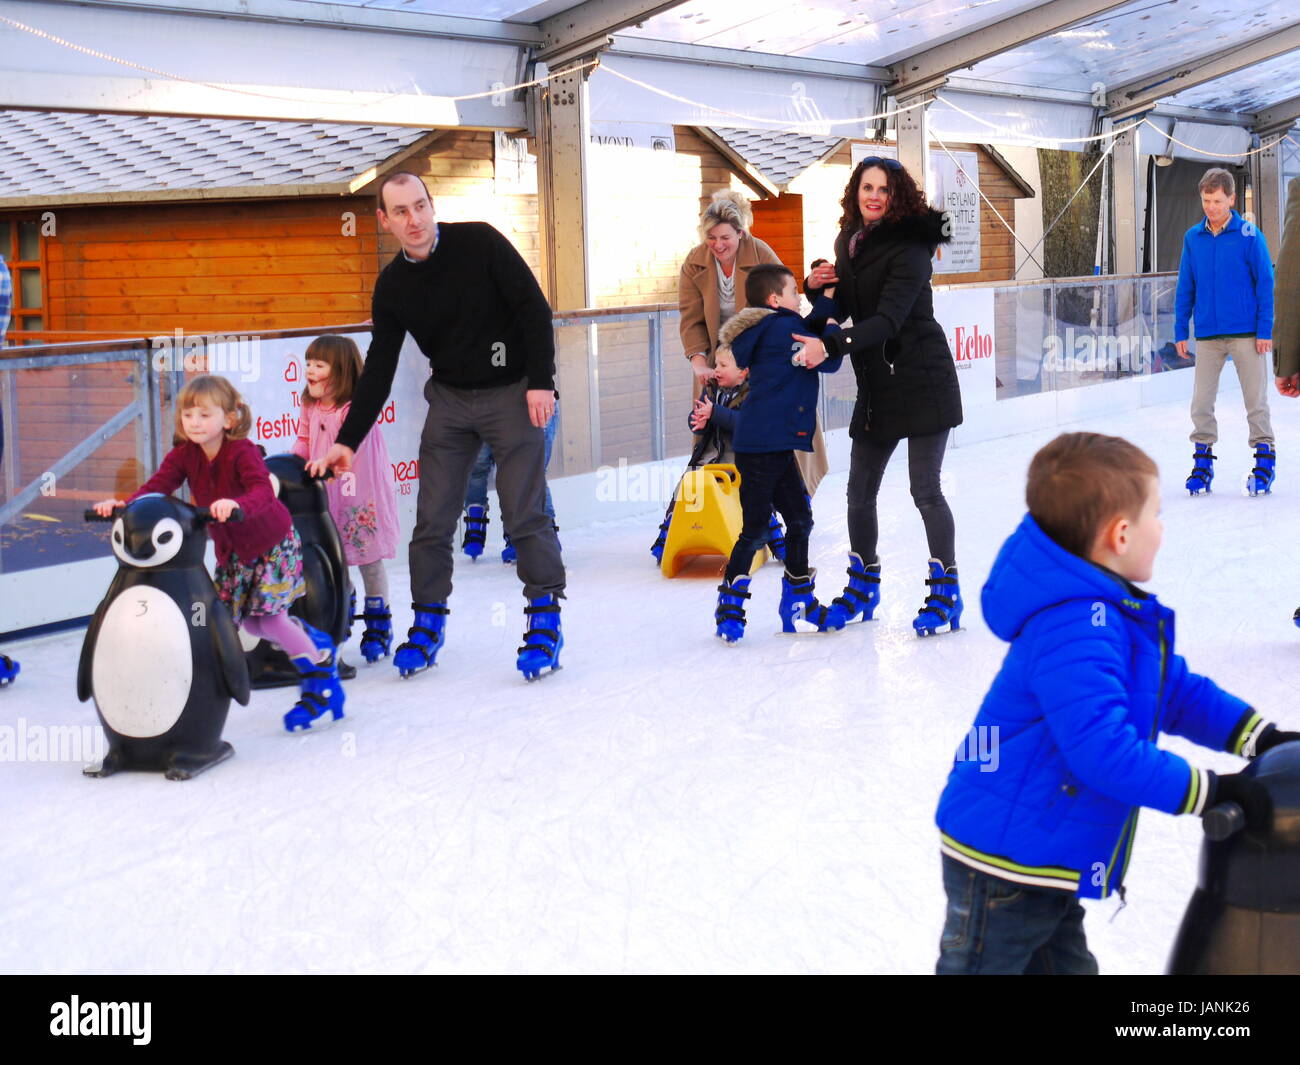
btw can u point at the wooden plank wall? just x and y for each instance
(147, 270)
(779, 222)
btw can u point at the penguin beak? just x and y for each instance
(139, 543)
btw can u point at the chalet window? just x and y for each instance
(23, 249)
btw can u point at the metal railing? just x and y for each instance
(626, 389)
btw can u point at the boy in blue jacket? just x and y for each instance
(1046, 810)
(778, 419)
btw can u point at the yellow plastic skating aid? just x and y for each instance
(706, 518)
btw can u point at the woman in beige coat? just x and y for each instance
(711, 288)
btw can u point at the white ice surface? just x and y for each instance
(663, 803)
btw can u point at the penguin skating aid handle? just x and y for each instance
(1224, 820)
(202, 513)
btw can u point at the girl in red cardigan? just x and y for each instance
(259, 559)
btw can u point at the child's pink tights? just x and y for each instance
(282, 630)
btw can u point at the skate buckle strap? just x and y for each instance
(862, 575)
(729, 590)
(850, 596)
(729, 612)
(313, 703)
(429, 608)
(531, 645)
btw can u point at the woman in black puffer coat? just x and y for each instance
(907, 383)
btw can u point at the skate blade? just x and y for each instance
(938, 631)
(537, 674)
(326, 721)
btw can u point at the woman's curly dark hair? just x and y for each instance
(905, 199)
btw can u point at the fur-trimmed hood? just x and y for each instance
(930, 228)
(739, 322)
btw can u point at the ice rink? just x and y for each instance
(664, 803)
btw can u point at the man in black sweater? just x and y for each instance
(477, 313)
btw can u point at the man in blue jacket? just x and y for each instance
(1042, 802)
(1225, 282)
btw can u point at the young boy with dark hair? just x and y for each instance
(778, 419)
(1071, 720)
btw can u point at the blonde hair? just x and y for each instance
(344, 360)
(728, 206)
(220, 393)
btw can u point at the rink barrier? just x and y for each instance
(1022, 352)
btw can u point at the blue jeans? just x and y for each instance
(997, 927)
(476, 492)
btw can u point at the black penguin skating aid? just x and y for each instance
(1244, 917)
(161, 657)
(327, 603)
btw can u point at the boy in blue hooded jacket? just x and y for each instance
(1064, 745)
(778, 419)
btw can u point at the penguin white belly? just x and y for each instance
(143, 665)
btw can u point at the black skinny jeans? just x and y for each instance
(924, 463)
(768, 479)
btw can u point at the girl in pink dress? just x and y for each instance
(362, 502)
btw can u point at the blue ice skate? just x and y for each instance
(776, 538)
(476, 523)
(860, 597)
(730, 612)
(943, 605)
(378, 635)
(1202, 470)
(322, 699)
(508, 553)
(1260, 480)
(799, 609)
(657, 548)
(543, 640)
(9, 669)
(423, 641)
